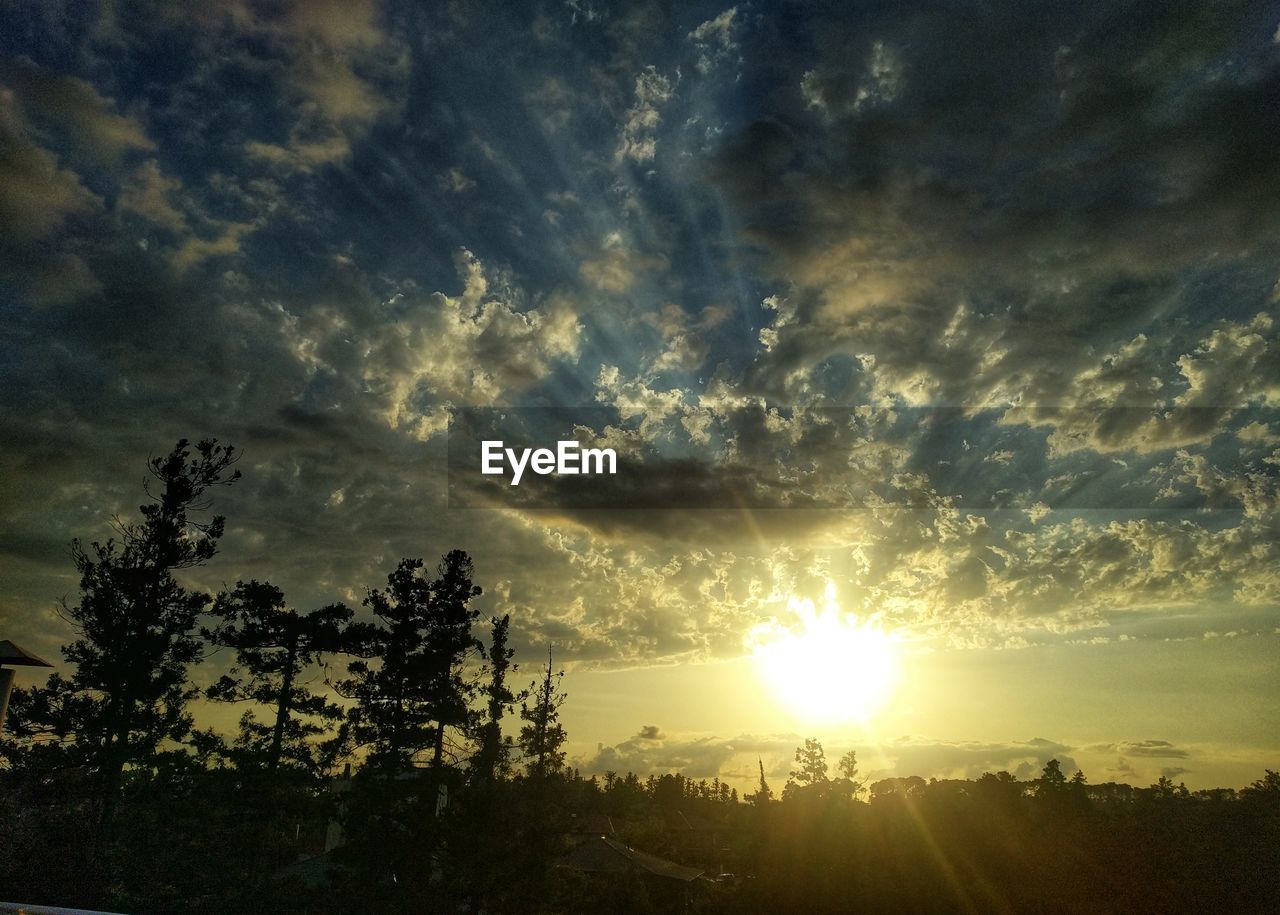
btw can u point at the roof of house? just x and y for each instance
(16, 656)
(595, 824)
(602, 855)
(680, 821)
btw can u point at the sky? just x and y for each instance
(939, 343)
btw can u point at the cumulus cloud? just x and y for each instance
(977, 283)
(714, 40)
(417, 355)
(1222, 374)
(683, 336)
(638, 139)
(840, 93)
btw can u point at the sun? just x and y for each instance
(824, 664)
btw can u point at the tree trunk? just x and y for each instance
(282, 708)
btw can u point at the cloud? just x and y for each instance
(455, 181)
(685, 346)
(37, 195)
(970, 759)
(61, 279)
(615, 266)
(836, 95)
(979, 283)
(1123, 769)
(1217, 378)
(553, 100)
(638, 140)
(148, 193)
(338, 61)
(693, 757)
(714, 40)
(886, 320)
(190, 235)
(1153, 749)
(414, 355)
(87, 121)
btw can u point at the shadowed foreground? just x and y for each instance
(193, 838)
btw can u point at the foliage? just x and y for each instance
(136, 625)
(422, 642)
(542, 737)
(494, 753)
(274, 646)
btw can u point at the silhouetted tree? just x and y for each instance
(764, 794)
(450, 645)
(137, 624)
(542, 737)
(1052, 781)
(848, 783)
(423, 641)
(391, 716)
(481, 824)
(274, 645)
(1165, 789)
(999, 791)
(1266, 787)
(810, 771)
(494, 751)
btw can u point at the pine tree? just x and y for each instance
(450, 646)
(811, 764)
(542, 737)
(1052, 780)
(423, 640)
(493, 755)
(137, 623)
(274, 645)
(764, 794)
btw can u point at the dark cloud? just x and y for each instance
(982, 205)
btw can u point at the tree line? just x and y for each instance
(436, 783)
(115, 739)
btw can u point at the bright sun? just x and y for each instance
(824, 664)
